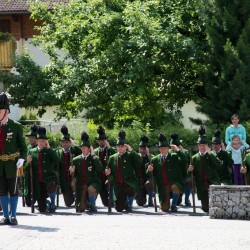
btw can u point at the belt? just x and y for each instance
(8, 157)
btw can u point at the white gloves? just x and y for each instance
(19, 163)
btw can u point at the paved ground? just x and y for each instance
(142, 229)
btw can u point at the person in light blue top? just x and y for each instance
(237, 147)
(235, 129)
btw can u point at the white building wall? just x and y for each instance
(189, 110)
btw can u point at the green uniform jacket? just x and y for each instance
(13, 142)
(49, 161)
(226, 164)
(111, 151)
(184, 163)
(129, 166)
(94, 167)
(174, 172)
(210, 166)
(74, 151)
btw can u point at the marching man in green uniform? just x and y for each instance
(66, 154)
(86, 168)
(145, 182)
(32, 140)
(224, 157)
(43, 160)
(175, 140)
(167, 171)
(204, 166)
(123, 169)
(104, 151)
(12, 154)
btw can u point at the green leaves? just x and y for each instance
(226, 77)
(121, 60)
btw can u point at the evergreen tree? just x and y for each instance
(227, 65)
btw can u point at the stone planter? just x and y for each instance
(229, 202)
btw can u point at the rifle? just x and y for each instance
(22, 189)
(153, 183)
(109, 186)
(31, 190)
(192, 178)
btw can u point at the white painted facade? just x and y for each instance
(189, 110)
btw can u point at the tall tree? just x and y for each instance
(226, 78)
(122, 60)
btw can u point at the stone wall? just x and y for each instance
(229, 202)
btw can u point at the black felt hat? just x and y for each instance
(202, 139)
(163, 142)
(85, 140)
(4, 101)
(121, 138)
(175, 139)
(65, 132)
(41, 133)
(216, 138)
(33, 131)
(143, 141)
(101, 133)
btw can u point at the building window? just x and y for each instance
(5, 26)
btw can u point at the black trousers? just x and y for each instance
(205, 200)
(123, 191)
(44, 189)
(7, 185)
(68, 195)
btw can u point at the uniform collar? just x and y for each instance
(202, 154)
(5, 122)
(85, 157)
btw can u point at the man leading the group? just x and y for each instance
(12, 154)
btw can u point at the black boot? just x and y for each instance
(5, 221)
(13, 221)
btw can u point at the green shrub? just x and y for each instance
(30, 119)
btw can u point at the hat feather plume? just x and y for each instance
(162, 137)
(64, 130)
(217, 133)
(174, 136)
(34, 129)
(84, 136)
(101, 130)
(202, 130)
(41, 130)
(122, 134)
(144, 138)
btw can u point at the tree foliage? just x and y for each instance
(226, 78)
(29, 84)
(119, 59)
